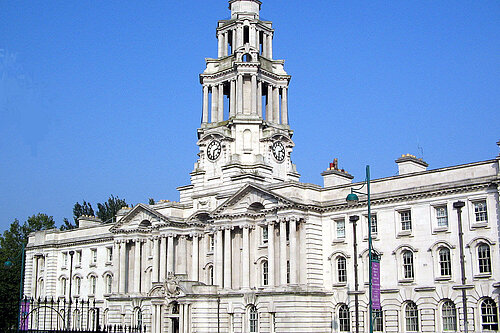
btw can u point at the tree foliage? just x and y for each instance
(12, 242)
(107, 211)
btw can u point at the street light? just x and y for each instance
(9, 264)
(352, 198)
(354, 219)
(458, 205)
(71, 253)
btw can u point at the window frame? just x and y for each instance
(265, 273)
(444, 265)
(490, 325)
(408, 267)
(413, 321)
(344, 318)
(405, 224)
(449, 316)
(253, 319)
(480, 217)
(440, 218)
(484, 262)
(340, 260)
(378, 320)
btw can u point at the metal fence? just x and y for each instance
(62, 316)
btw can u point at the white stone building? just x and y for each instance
(249, 248)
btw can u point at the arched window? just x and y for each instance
(247, 58)
(489, 315)
(449, 315)
(78, 285)
(93, 284)
(484, 258)
(265, 273)
(39, 291)
(105, 317)
(341, 269)
(411, 317)
(77, 319)
(63, 286)
(444, 261)
(138, 317)
(253, 319)
(344, 318)
(210, 275)
(109, 283)
(145, 223)
(408, 272)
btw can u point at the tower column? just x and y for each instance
(283, 261)
(170, 254)
(204, 118)
(225, 48)
(245, 261)
(233, 41)
(219, 269)
(284, 106)
(220, 40)
(293, 251)
(270, 253)
(221, 103)
(156, 259)
(214, 104)
(276, 105)
(227, 258)
(195, 263)
(259, 98)
(270, 104)
(182, 255)
(163, 258)
(232, 99)
(270, 46)
(137, 266)
(253, 104)
(123, 277)
(239, 92)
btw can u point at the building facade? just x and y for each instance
(249, 248)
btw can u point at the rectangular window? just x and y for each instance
(93, 256)
(340, 225)
(341, 270)
(378, 320)
(408, 265)
(79, 257)
(405, 220)
(109, 254)
(442, 216)
(265, 235)
(288, 271)
(484, 256)
(211, 243)
(480, 211)
(65, 258)
(445, 262)
(373, 223)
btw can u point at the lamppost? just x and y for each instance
(9, 264)
(71, 253)
(354, 219)
(458, 205)
(353, 198)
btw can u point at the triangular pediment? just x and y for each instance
(140, 218)
(251, 199)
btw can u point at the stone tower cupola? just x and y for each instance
(244, 125)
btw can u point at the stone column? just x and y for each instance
(270, 253)
(224, 48)
(284, 106)
(259, 98)
(204, 118)
(270, 104)
(246, 258)
(233, 44)
(220, 44)
(227, 258)
(293, 251)
(220, 103)
(239, 93)
(123, 276)
(181, 318)
(219, 268)
(116, 266)
(156, 260)
(251, 36)
(257, 40)
(283, 261)
(137, 266)
(163, 258)
(253, 104)
(182, 255)
(276, 105)
(270, 46)
(195, 260)
(232, 99)
(214, 104)
(170, 254)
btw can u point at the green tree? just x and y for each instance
(67, 225)
(11, 245)
(82, 209)
(107, 211)
(151, 201)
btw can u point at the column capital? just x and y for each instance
(228, 227)
(170, 235)
(183, 236)
(194, 234)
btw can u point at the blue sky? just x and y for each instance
(103, 97)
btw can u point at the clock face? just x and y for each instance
(213, 150)
(278, 151)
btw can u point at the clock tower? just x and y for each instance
(244, 134)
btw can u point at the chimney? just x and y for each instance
(85, 221)
(410, 164)
(334, 176)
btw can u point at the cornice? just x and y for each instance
(72, 242)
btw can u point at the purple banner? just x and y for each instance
(376, 285)
(25, 310)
